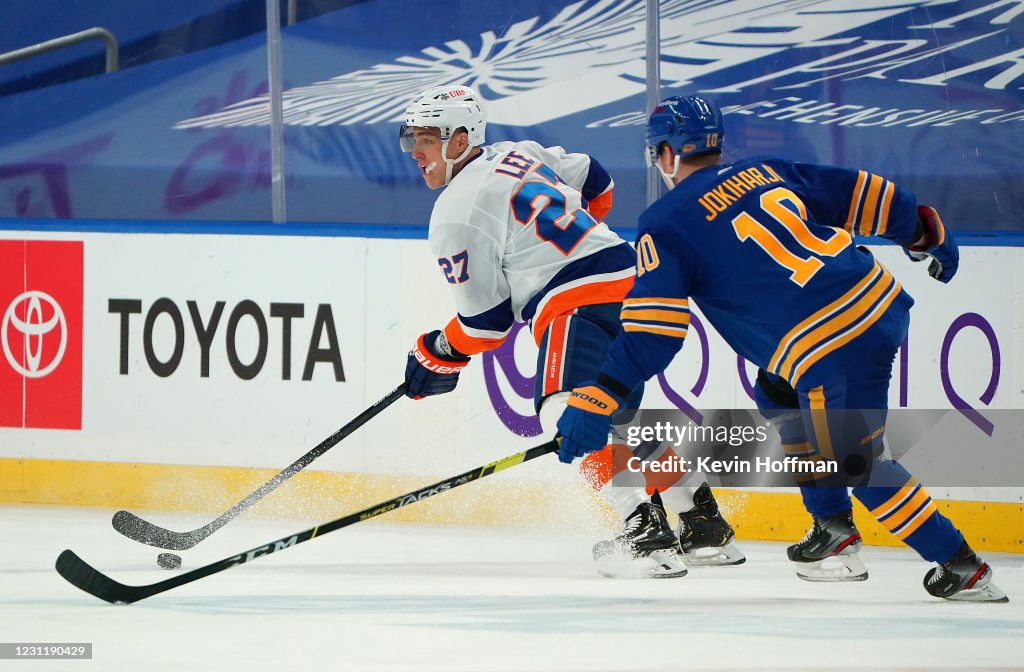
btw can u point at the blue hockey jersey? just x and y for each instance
(765, 248)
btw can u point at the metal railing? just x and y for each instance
(103, 34)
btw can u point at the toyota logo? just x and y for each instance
(33, 330)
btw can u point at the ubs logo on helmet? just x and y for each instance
(42, 321)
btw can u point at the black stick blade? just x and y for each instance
(137, 529)
(82, 575)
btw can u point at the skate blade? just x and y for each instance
(718, 556)
(658, 565)
(834, 569)
(983, 591)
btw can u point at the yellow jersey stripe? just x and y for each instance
(883, 212)
(834, 324)
(798, 449)
(840, 340)
(673, 316)
(858, 191)
(819, 420)
(893, 503)
(661, 331)
(824, 313)
(867, 214)
(657, 300)
(906, 510)
(816, 397)
(917, 521)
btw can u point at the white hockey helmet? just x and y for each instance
(447, 108)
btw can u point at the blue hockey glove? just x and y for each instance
(429, 370)
(938, 246)
(585, 423)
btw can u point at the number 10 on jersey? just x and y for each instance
(802, 268)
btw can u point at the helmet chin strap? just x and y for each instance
(669, 178)
(450, 163)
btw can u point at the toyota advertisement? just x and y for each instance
(41, 334)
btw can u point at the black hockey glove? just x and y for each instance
(429, 370)
(938, 245)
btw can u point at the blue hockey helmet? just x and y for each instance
(691, 125)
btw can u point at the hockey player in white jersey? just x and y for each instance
(519, 237)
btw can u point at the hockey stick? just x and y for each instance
(136, 528)
(82, 575)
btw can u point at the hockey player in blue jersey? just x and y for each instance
(765, 249)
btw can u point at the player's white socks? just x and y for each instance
(623, 498)
(679, 498)
(551, 410)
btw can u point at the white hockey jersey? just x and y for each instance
(516, 244)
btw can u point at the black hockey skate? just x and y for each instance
(832, 537)
(702, 528)
(965, 577)
(646, 547)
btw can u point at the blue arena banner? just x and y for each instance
(927, 93)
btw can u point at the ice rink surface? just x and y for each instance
(395, 597)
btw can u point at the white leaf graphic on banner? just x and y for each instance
(589, 54)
